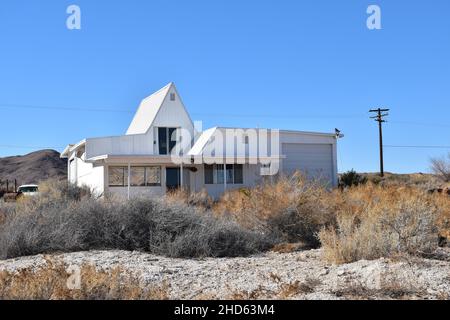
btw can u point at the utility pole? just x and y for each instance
(381, 113)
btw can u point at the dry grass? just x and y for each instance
(390, 287)
(284, 290)
(201, 200)
(423, 181)
(292, 208)
(288, 247)
(375, 221)
(51, 283)
(296, 288)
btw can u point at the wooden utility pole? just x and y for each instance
(381, 113)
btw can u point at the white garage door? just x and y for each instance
(314, 160)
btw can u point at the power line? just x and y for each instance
(417, 147)
(12, 146)
(63, 108)
(270, 116)
(219, 115)
(425, 124)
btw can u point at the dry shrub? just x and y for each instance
(50, 282)
(374, 222)
(201, 200)
(443, 202)
(294, 209)
(146, 225)
(61, 189)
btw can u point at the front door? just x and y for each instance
(172, 178)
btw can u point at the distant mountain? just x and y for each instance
(33, 167)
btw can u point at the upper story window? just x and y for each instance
(166, 139)
(172, 96)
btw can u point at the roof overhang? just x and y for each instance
(71, 147)
(135, 159)
(165, 159)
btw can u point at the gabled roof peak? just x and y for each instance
(148, 110)
(166, 87)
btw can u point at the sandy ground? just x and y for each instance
(296, 275)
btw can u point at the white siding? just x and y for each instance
(137, 192)
(86, 174)
(140, 144)
(173, 114)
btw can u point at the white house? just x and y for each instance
(163, 150)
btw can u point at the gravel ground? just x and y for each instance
(296, 275)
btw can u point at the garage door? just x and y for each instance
(314, 160)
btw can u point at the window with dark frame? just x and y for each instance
(209, 174)
(238, 174)
(166, 140)
(214, 174)
(162, 140)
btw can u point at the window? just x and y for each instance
(28, 189)
(238, 174)
(165, 142)
(219, 173)
(172, 138)
(230, 173)
(214, 174)
(172, 96)
(118, 176)
(139, 176)
(162, 140)
(153, 176)
(209, 174)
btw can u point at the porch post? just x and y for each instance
(224, 174)
(181, 175)
(129, 173)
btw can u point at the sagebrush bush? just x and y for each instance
(60, 189)
(292, 209)
(351, 178)
(201, 200)
(374, 222)
(147, 225)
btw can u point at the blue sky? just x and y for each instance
(304, 65)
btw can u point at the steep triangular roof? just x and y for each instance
(148, 110)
